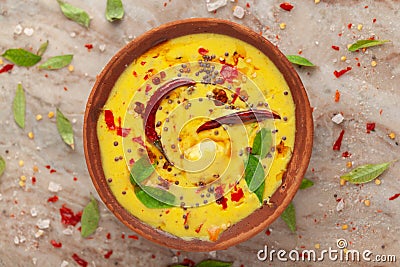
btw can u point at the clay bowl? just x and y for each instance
(296, 168)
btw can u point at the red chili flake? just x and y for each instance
(268, 232)
(235, 96)
(202, 51)
(138, 140)
(167, 211)
(65, 88)
(108, 254)
(135, 237)
(380, 111)
(153, 256)
(165, 4)
(48, 167)
(229, 73)
(394, 196)
(186, 217)
(236, 196)
(55, 243)
(338, 143)
(53, 199)
(248, 5)
(349, 26)
(358, 64)
(373, 20)
(148, 88)
(337, 96)
(68, 217)
(143, 63)
(7, 68)
(223, 201)
(109, 118)
(123, 236)
(366, 7)
(123, 131)
(89, 47)
(75, 179)
(188, 262)
(108, 236)
(286, 6)
(33, 180)
(370, 126)
(341, 72)
(53, 171)
(334, 47)
(134, 73)
(346, 154)
(79, 260)
(198, 229)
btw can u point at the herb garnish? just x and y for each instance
(114, 10)
(65, 130)
(2, 165)
(295, 59)
(366, 43)
(90, 218)
(19, 106)
(57, 62)
(74, 13)
(42, 48)
(289, 217)
(21, 57)
(365, 173)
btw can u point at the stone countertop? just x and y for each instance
(368, 94)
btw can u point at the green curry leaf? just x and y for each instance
(295, 59)
(2, 165)
(74, 13)
(90, 218)
(306, 183)
(57, 62)
(365, 173)
(65, 130)
(289, 217)
(262, 143)
(366, 43)
(21, 57)
(151, 202)
(254, 173)
(19, 106)
(141, 170)
(42, 48)
(114, 10)
(213, 263)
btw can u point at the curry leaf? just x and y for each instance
(141, 170)
(65, 130)
(262, 143)
(114, 10)
(306, 183)
(2, 165)
(21, 57)
(90, 218)
(289, 217)
(295, 59)
(57, 62)
(152, 203)
(19, 106)
(213, 263)
(74, 13)
(365, 173)
(260, 192)
(42, 48)
(253, 173)
(366, 43)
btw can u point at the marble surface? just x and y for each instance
(368, 94)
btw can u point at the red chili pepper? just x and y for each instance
(135, 237)
(268, 232)
(109, 118)
(341, 72)
(349, 26)
(79, 260)
(55, 243)
(108, 254)
(7, 68)
(68, 217)
(251, 115)
(286, 6)
(370, 126)
(89, 46)
(334, 47)
(394, 196)
(52, 199)
(152, 107)
(223, 201)
(236, 196)
(338, 143)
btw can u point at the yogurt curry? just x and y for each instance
(196, 134)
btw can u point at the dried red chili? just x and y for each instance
(338, 142)
(55, 243)
(346, 154)
(68, 217)
(79, 260)
(7, 68)
(251, 115)
(394, 196)
(370, 126)
(52, 199)
(334, 47)
(135, 237)
(286, 6)
(108, 254)
(236, 196)
(236, 95)
(109, 118)
(152, 107)
(188, 262)
(341, 72)
(198, 229)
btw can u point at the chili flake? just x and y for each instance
(55, 243)
(109, 118)
(108, 254)
(202, 51)
(346, 154)
(334, 47)
(79, 260)
(89, 47)
(198, 229)
(370, 126)
(286, 6)
(135, 237)
(394, 196)
(222, 201)
(341, 72)
(7, 68)
(338, 143)
(52, 199)
(337, 96)
(236, 196)
(68, 217)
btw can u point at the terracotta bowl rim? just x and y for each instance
(296, 168)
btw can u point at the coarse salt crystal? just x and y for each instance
(39, 233)
(338, 118)
(72, 34)
(238, 12)
(28, 31)
(102, 47)
(18, 29)
(16, 240)
(54, 187)
(213, 253)
(212, 6)
(33, 212)
(64, 263)
(22, 239)
(175, 259)
(43, 224)
(68, 231)
(340, 205)
(34, 261)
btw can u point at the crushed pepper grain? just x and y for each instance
(342, 181)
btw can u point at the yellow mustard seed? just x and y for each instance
(343, 58)
(349, 164)
(367, 202)
(31, 135)
(317, 246)
(342, 181)
(1, 61)
(22, 178)
(345, 227)
(377, 181)
(374, 63)
(317, 1)
(50, 114)
(282, 26)
(71, 68)
(21, 163)
(21, 183)
(35, 168)
(39, 117)
(359, 27)
(392, 135)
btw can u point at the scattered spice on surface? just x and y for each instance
(337, 96)
(7, 68)
(55, 243)
(341, 72)
(79, 260)
(89, 47)
(52, 199)
(394, 196)
(286, 6)
(108, 254)
(334, 47)
(370, 126)
(338, 142)
(68, 217)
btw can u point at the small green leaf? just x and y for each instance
(64, 128)
(2, 165)
(365, 173)
(74, 13)
(152, 203)
(19, 106)
(21, 57)
(141, 170)
(260, 192)
(366, 43)
(114, 10)
(42, 48)
(57, 62)
(289, 217)
(295, 59)
(262, 143)
(306, 183)
(90, 218)
(253, 173)
(213, 263)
